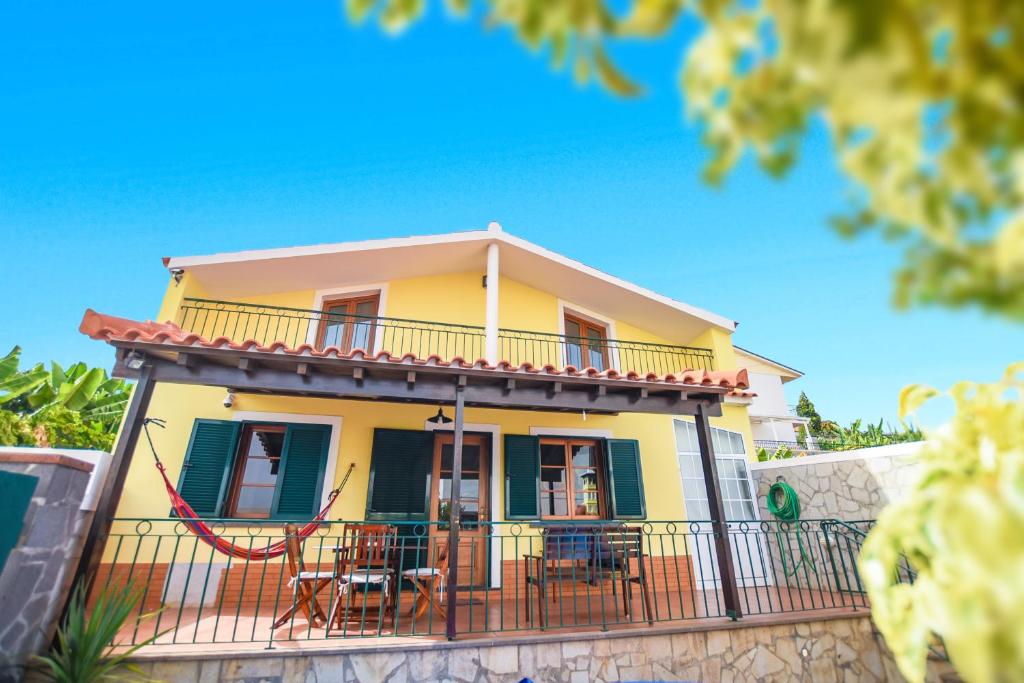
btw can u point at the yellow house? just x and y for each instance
(579, 398)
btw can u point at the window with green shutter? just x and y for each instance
(522, 477)
(255, 470)
(625, 479)
(400, 467)
(205, 472)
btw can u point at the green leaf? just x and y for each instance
(913, 397)
(9, 363)
(611, 77)
(21, 383)
(82, 391)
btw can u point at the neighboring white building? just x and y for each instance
(772, 420)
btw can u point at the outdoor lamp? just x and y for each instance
(440, 418)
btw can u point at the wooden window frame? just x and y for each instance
(351, 301)
(238, 469)
(586, 324)
(570, 483)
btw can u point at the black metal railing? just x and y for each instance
(513, 577)
(398, 336)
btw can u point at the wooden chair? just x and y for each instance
(365, 558)
(588, 554)
(618, 556)
(305, 584)
(429, 584)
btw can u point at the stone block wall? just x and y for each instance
(848, 485)
(822, 651)
(36, 578)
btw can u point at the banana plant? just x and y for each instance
(15, 383)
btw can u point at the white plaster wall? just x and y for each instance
(770, 399)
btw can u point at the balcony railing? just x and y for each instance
(399, 336)
(513, 578)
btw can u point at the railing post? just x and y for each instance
(455, 509)
(117, 473)
(723, 550)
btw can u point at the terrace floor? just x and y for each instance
(479, 615)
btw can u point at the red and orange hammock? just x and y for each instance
(197, 526)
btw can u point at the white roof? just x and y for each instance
(331, 265)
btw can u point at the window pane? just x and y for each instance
(260, 471)
(685, 436)
(254, 501)
(552, 454)
(470, 457)
(586, 503)
(553, 477)
(584, 456)
(334, 325)
(554, 503)
(572, 328)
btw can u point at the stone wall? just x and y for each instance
(36, 577)
(849, 485)
(822, 651)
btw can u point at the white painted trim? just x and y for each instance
(333, 455)
(496, 461)
(321, 294)
(100, 461)
(582, 312)
(571, 431)
(450, 238)
(894, 450)
(738, 400)
(785, 370)
(491, 308)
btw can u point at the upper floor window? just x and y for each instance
(349, 323)
(586, 343)
(571, 483)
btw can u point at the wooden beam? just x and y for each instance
(410, 379)
(510, 385)
(358, 375)
(302, 369)
(186, 360)
(117, 473)
(719, 526)
(246, 364)
(455, 510)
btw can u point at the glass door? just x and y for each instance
(473, 536)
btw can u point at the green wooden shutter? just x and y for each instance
(400, 467)
(204, 475)
(522, 477)
(625, 479)
(303, 465)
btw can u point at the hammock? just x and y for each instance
(197, 526)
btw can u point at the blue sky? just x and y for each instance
(132, 131)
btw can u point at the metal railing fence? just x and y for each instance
(422, 338)
(515, 577)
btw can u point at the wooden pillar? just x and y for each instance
(455, 514)
(723, 549)
(117, 473)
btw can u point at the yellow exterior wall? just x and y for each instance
(455, 298)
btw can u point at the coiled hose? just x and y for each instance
(784, 505)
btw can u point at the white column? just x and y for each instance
(491, 324)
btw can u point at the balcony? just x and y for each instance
(814, 445)
(422, 338)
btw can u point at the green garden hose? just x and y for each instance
(784, 505)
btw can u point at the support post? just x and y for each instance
(491, 318)
(455, 511)
(723, 549)
(117, 473)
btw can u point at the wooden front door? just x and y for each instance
(473, 536)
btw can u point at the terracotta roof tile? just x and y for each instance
(111, 328)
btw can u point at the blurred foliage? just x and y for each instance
(836, 438)
(960, 529)
(80, 407)
(923, 100)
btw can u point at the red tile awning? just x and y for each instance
(114, 329)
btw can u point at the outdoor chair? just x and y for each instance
(429, 584)
(588, 554)
(365, 558)
(306, 585)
